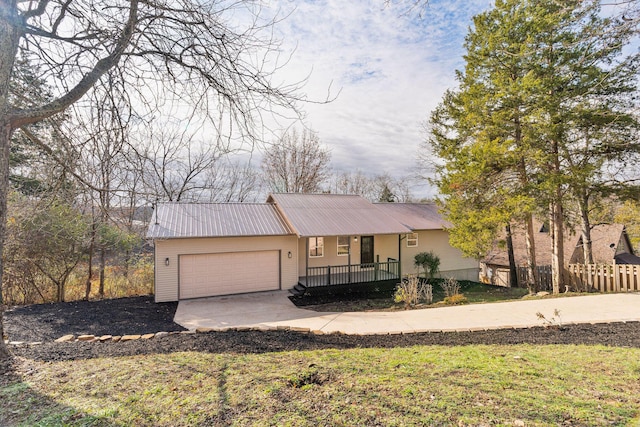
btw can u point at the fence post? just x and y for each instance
(328, 274)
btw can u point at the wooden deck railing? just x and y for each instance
(355, 273)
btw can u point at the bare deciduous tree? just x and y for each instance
(233, 182)
(376, 188)
(296, 163)
(207, 61)
(174, 168)
(353, 183)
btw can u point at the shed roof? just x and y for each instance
(335, 215)
(416, 216)
(175, 220)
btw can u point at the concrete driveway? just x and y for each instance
(270, 310)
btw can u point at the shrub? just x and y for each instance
(455, 299)
(450, 287)
(410, 292)
(429, 262)
(426, 293)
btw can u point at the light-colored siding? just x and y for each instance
(330, 254)
(452, 263)
(166, 277)
(387, 247)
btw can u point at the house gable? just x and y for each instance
(334, 215)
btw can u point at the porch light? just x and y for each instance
(289, 254)
(355, 239)
(166, 262)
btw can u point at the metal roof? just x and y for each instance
(175, 220)
(334, 215)
(416, 216)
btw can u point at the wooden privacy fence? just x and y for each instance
(543, 277)
(605, 278)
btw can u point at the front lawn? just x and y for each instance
(501, 385)
(474, 292)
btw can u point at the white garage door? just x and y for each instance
(208, 275)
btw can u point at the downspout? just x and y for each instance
(349, 260)
(400, 256)
(306, 261)
(155, 271)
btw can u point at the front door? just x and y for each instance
(366, 250)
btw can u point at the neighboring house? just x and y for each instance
(610, 244)
(293, 240)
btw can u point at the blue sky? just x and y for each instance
(389, 66)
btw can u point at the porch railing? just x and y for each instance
(355, 273)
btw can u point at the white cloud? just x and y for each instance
(391, 65)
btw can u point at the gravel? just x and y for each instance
(141, 315)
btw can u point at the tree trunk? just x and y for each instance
(5, 138)
(87, 291)
(557, 249)
(556, 224)
(102, 267)
(9, 38)
(532, 277)
(585, 225)
(513, 268)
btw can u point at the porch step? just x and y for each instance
(298, 290)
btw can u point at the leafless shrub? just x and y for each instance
(450, 287)
(411, 291)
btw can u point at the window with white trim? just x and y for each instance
(316, 247)
(343, 245)
(412, 240)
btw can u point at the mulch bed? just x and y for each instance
(140, 315)
(119, 316)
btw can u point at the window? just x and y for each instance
(343, 245)
(316, 247)
(412, 240)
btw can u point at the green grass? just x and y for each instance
(468, 385)
(474, 292)
(479, 293)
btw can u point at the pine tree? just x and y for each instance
(537, 76)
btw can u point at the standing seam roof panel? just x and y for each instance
(335, 215)
(177, 220)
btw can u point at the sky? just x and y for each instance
(389, 67)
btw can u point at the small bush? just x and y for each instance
(429, 262)
(455, 299)
(554, 321)
(450, 287)
(426, 293)
(410, 292)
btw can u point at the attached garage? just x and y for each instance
(204, 250)
(207, 275)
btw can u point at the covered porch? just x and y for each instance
(332, 275)
(344, 241)
(336, 264)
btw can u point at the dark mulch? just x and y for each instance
(120, 316)
(251, 342)
(141, 315)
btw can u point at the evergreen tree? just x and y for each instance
(538, 75)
